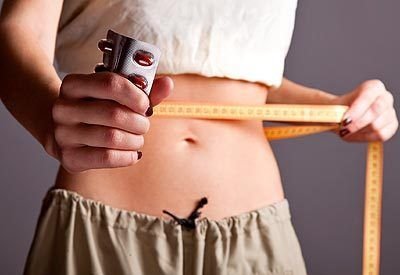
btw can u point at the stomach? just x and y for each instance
(184, 159)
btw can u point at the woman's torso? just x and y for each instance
(184, 159)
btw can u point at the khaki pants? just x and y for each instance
(75, 236)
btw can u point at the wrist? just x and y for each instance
(336, 100)
(323, 98)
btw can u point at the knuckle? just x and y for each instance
(378, 106)
(67, 83)
(382, 135)
(68, 161)
(394, 114)
(111, 81)
(68, 78)
(109, 157)
(373, 84)
(396, 125)
(59, 135)
(57, 110)
(113, 136)
(117, 115)
(390, 98)
(368, 93)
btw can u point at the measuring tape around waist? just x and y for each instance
(327, 117)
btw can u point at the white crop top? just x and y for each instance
(237, 39)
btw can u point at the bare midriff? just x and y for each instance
(184, 159)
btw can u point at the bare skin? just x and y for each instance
(228, 161)
(97, 140)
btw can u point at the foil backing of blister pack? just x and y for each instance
(120, 58)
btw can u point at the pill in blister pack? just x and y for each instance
(136, 60)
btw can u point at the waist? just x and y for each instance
(230, 161)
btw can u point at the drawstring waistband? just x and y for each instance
(190, 221)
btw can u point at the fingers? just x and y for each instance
(369, 113)
(105, 85)
(161, 89)
(367, 134)
(100, 112)
(83, 147)
(367, 93)
(380, 129)
(384, 133)
(100, 120)
(382, 121)
(379, 105)
(79, 159)
(97, 136)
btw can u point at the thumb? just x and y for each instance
(161, 89)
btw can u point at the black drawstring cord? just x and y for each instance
(185, 222)
(195, 213)
(189, 222)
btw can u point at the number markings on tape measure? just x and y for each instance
(281, 132)
(372, 211)
(271, 112)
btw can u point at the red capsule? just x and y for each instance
(105, 45)
(143, 58)
(139, 80)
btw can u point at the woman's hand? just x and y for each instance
(100, 120)
(371, 116)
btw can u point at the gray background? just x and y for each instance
(336, 45)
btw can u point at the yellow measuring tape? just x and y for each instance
(327, 117)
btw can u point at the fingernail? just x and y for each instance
(139, 154)
(347, 121)
(149, 111)
(344, 132)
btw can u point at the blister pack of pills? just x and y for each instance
(136, 60)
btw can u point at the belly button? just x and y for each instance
(190, 140)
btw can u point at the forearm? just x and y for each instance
(293, 93)
(29, 82)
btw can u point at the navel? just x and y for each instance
(190, 140)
